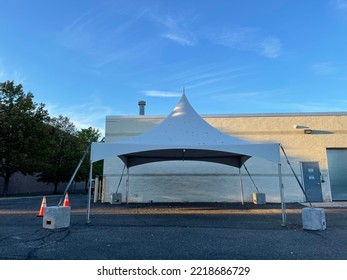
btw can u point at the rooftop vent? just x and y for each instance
(142, 105)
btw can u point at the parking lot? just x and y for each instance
(171, 231)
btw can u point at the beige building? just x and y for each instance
(316, 145)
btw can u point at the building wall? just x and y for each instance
(196, 181)
(21, 184)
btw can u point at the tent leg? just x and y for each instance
(103, 189)
(96, 189)
(127, 187)
(241, 186)
(283, 204)
(89, 191)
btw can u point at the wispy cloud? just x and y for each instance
(285, 103)
(239, 38)
(247, 39)
(202, 82)
(103, 33)
(271, 47)
(15, 76)
(184, 41)
(176, 28)
(83, 115)
(246, 95)
(323, 69)
(77, 34)
(236, 100)
(129, 53)
(204, 71)
(127, 24)
(159, 93)
(340, 4)
(321, 107)
(202, 75)
(249, 94)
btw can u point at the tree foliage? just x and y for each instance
(86, 136)
(22, 123)
(33, 143)
(62, 151)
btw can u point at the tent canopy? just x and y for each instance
(184, 135)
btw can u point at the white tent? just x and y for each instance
(184, 135)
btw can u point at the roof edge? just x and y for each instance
(305, 114)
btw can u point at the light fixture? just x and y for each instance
(306, 129)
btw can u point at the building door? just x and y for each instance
(337, 164)
(311, 178)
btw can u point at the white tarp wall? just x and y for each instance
(191, 181)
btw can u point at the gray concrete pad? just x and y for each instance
(168, 231)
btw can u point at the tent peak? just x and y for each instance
(183, 107)
(184, 127)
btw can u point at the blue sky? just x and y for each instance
(87, 59)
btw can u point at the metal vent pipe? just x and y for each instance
(142, 105)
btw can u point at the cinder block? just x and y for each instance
(116, 198)
(313, 218)
(259, 198)
(56, 217)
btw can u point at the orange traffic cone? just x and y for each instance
(66, 200)
(42, 208)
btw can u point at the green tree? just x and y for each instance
(62, 152)
(86, 136)
(22, 123)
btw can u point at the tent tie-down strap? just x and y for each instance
(296, 177)
(244, 165)
(120, 180)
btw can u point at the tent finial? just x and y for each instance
(184, 91)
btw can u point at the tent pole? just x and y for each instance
(127, 187)
(96, 189)
(283, 204)
(75, 172)
(241, 186)
(89, 191)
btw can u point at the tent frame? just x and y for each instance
(281, 188)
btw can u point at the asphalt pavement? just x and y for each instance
(168, 231)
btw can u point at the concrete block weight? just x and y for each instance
(259, 198)
(116, 198)
(313, 218)
(56, 217)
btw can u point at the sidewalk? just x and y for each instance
(334, 204)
